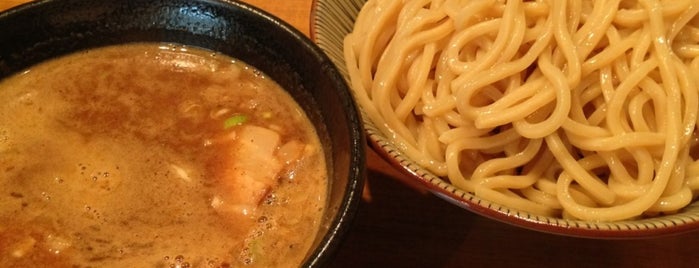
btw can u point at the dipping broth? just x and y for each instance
(155, 155)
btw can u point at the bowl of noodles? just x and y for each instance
(577, 119)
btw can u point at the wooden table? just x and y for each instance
(400, 226)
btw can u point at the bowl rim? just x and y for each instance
(666, 225)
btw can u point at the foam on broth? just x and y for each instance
(127, 156)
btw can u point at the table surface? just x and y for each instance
(401, 226)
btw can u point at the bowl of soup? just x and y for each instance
(171, 134)
(572, 119)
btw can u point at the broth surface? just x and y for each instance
(151, 155)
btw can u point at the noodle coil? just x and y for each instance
(574, 109)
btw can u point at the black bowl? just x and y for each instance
(37, 31)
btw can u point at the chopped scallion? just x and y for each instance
(234, 120)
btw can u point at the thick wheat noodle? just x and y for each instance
(572, 109)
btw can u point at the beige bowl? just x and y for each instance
(331, 20)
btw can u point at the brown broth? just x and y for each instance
(118, 156)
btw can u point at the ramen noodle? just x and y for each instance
(573, 109)
(155, 155)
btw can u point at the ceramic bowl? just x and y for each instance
(41, 30)
(331, 20)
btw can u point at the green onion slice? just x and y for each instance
(234, 120)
